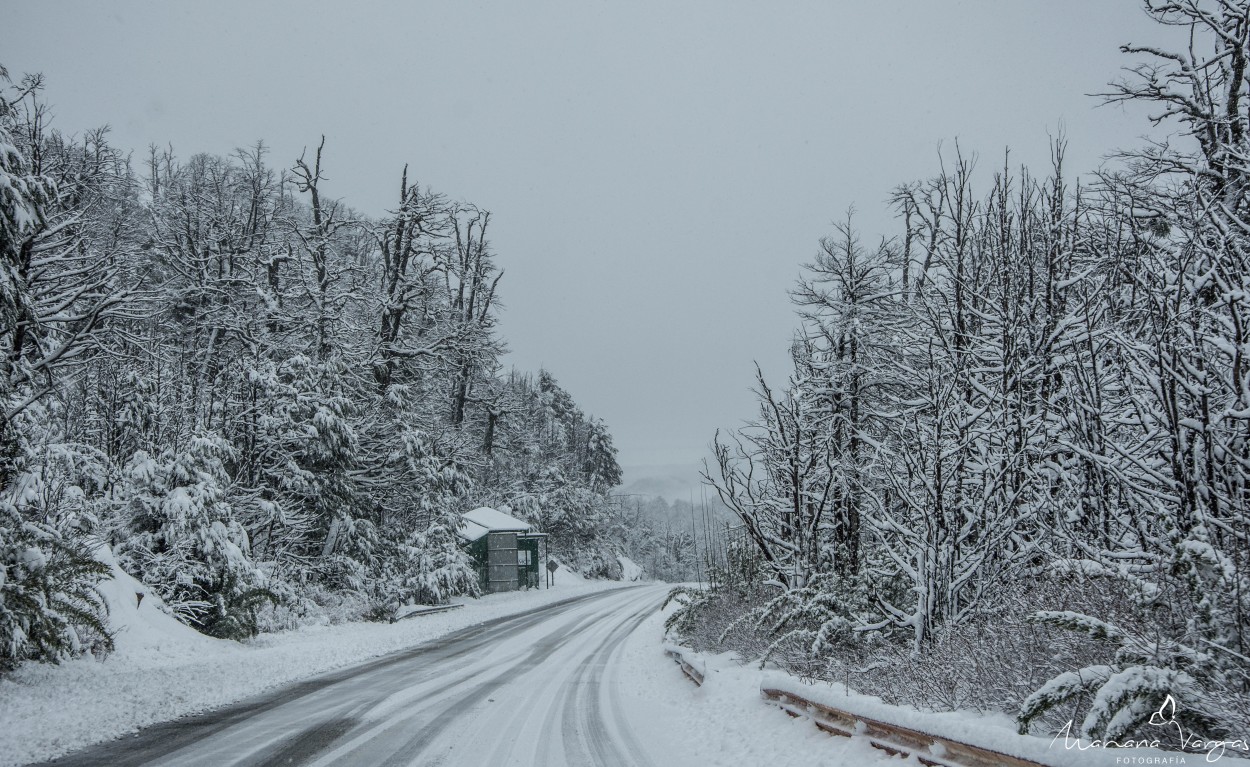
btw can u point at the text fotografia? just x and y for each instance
(1164, 717)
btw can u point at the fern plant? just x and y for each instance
(50, 608)
(684, 619)
(1144, 674)
(235, 608)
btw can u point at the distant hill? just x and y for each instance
(672, 482)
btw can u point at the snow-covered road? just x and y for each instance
(575, 683)
(536, 688)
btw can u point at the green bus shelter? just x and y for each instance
(506, 551)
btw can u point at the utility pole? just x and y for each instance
(694, 540)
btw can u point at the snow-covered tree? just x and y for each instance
(181, 535)
(56, 292)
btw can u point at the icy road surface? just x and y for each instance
(526, 689)
(576, 683)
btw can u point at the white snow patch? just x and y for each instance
(471, 531)
(563, 575)
(143, 625)
(630, 570)
(495, 520)
(724, 723)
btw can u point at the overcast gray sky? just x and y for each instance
(657, 171)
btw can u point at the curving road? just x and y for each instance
(535, 689)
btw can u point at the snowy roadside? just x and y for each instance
(163, 670)
(995, 732)
(724, 723)
(737, 726)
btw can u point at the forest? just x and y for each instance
(1008, 471)
(271, 407)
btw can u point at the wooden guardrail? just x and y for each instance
(692, 672)
(928, 748)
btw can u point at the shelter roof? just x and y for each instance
(470, 530)
(494, 521)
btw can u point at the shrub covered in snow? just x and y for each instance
(49, 608)
(180, 534)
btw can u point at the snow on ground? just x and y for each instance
(724, 723)
(163, 670)
(141, 622)
(630, 570)
(727, 722)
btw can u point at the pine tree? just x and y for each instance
(49, 607)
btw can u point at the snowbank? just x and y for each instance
(163, 670)
(141, 622)
(630, 570)
(563, 575)
(735, 726)
(722, 723)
